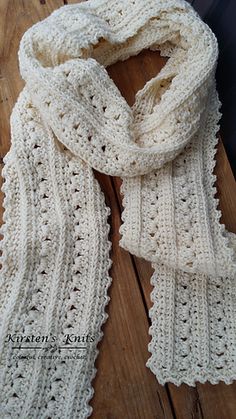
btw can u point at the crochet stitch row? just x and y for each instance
(69, 119)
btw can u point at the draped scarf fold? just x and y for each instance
(69, 119)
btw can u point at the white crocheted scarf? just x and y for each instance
(70, 119)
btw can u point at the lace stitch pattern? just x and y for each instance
(69, 119)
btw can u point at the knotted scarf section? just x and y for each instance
(70, 119)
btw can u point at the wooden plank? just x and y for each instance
(123, 386)
(205, 400)
(15, 18)
(130, 76)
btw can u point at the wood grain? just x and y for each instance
(124, 387)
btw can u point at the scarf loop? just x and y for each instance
(69, 119)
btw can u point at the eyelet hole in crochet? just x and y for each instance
(68, 196)
(101, 41)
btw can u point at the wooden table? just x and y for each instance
(124, 387)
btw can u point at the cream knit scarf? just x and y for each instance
(70, 119)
